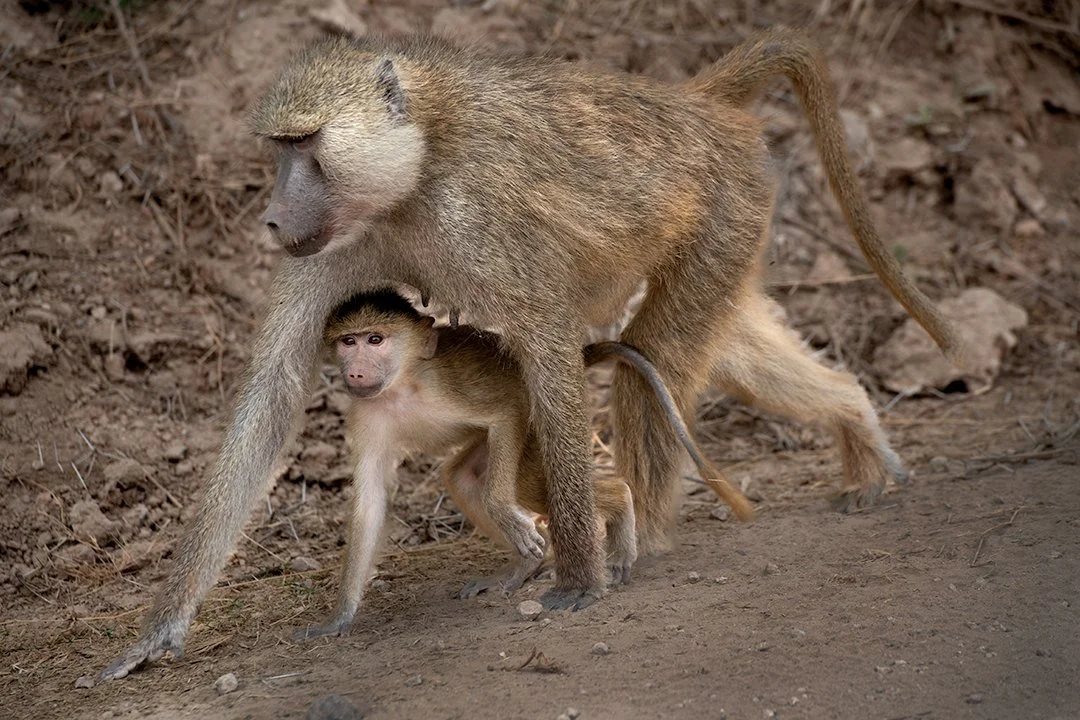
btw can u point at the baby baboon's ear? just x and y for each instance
(431, 342)
(389, 84)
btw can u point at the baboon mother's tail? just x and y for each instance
(736, 76)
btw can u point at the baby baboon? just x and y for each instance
(533, 195)
(419, 388)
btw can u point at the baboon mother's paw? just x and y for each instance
(568, 599)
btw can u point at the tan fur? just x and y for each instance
(531, 194)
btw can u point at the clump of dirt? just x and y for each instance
(132, 271)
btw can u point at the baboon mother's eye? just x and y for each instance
(375, 339)
(348, 340)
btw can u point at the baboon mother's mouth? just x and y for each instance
(306, 246)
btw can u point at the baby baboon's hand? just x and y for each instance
(520, 531)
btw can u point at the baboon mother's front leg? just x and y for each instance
(554, 373)
(276, 385)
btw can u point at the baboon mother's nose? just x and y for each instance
(272, 218)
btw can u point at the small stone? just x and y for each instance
(320, 452)
(110, 183)
(114, 367)
(721, 513)
(1055, 554)
(763, 646)
(974, 699)
(337, 16)
(1042, 652)
(905, 157)
(600, 648)
(770, 569)
(414, 681)
(1029, 195)
(573, 713)
(693, 577)
(89, 523)
(939, 463)
(226, 684)
(124, 473)
(175, 452)
(302, 563)
(22, 348)
(529, 609)
(85, 682)
(334, 707)
(1028, 228)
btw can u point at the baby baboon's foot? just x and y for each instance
(896, 467)
(855, 498)
(508, 582)
(167, 636)
(620, 574)
(336, 627)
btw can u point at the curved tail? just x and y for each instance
(785, 51)
(712, 477)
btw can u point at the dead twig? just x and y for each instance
(537, 662)
(999, 526)
(133, 47)
(1040, 23)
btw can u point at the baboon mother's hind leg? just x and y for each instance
(675, 328)
(763, 363)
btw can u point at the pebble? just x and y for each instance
(85, 682)
(600, 648)
(529, 609)
(693, 577)
(334, 707)
(89, 523)
(1042, 652)
(302, 563)
(573, 713)
(1028, 228)
(721, 513)
(226, 684)
(974, 699)
(175, 452)
(414, 681)
(771, 569)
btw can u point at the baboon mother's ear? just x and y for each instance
(389, 84)
(431, 341)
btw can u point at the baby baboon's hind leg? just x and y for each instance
(763, 363)
(464, 476)
(676, 328)
(615, 506)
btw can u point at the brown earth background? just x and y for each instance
(133, 269)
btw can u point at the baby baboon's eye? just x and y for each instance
(348, 340)
(375, 339)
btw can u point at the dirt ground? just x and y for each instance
(132, 272)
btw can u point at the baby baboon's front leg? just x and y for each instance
(371, 482)
(499, 492)
(465, 476)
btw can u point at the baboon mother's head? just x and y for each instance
(337, 116)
